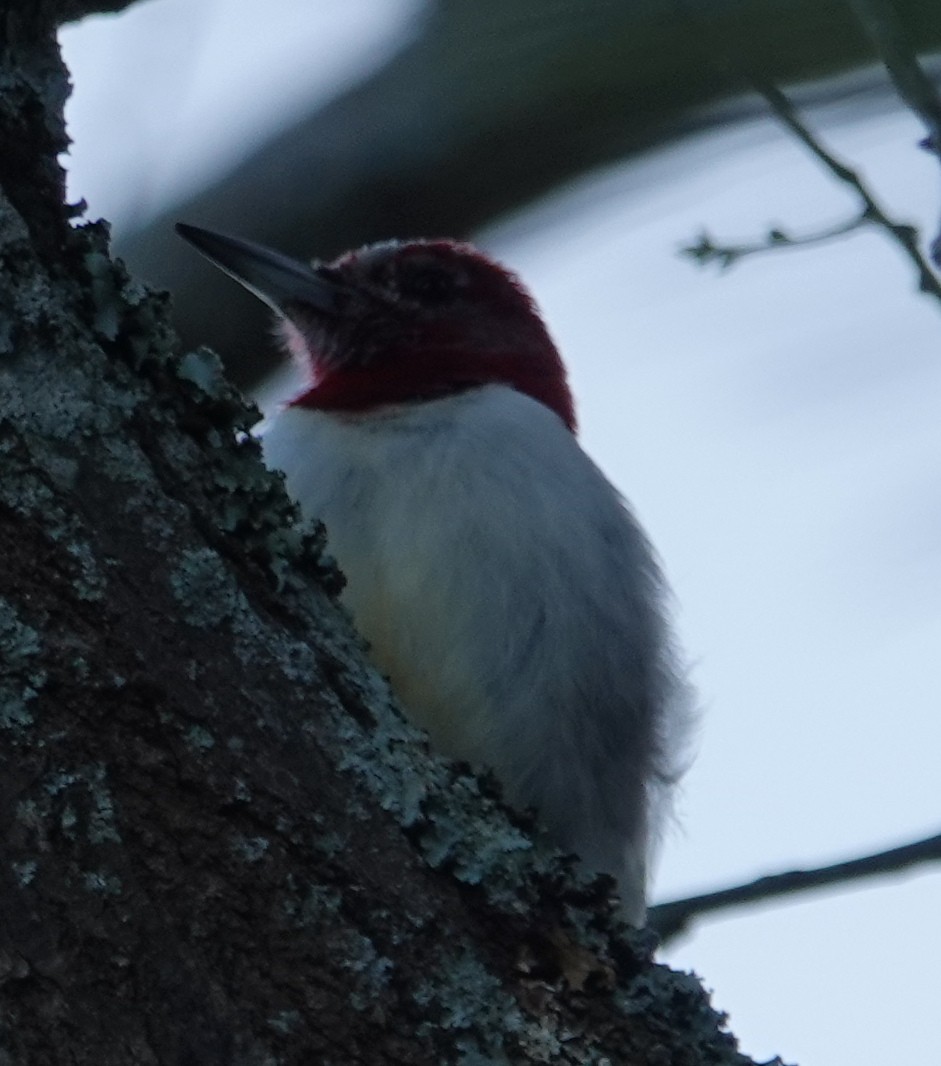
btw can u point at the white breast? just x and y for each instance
(510, 597)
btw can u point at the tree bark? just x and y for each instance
(220, 843)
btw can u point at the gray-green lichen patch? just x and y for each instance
(19, 642)
(251, 849)
(101, 827)
(124, 463)
(29, 814)
(206, 592)
(106, 299)
(285, 1022)
(372, 969)
(315, 905)
(332, 843)
(14, 712)
(695, 1025)
(319, 903)
(25, 494)
(199, 737)
(465, 997)
(24, 872)
(13, 230)
(241, 793)
(473, 848)
(299, 663)
(58, 781)
(66, 408)
(248, 632)
(102, 884)
(68, 819)
(384, 758)
(20, 679)
(77, 800)
(203, 369)
(89, 584)
(26, 299)
(458, 825)
(471, 1055)
(464, 993)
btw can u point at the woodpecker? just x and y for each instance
(502, 583)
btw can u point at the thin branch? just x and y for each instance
(906, 236)
(871, 212)
(881, 22)
(705, 250)
(914, 87)
(671, 919)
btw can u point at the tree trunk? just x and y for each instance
(221, 843)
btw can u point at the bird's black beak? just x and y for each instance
(283, 283)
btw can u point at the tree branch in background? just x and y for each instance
(881, 22)
(671, 919)
(705, 250)
(871, 212)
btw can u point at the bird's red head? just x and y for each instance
(401, 322)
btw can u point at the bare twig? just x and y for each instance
(881, 22)
(906, 236)
(671, 919)
(870, 212)
(705, 250)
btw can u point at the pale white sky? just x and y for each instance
(776, 429)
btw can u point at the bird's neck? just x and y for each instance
(417, 377)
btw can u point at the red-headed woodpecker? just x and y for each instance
(500, 580)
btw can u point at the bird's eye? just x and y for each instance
(427, 283)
